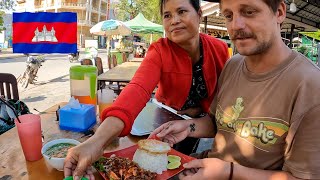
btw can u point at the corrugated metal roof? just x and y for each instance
(308, 13)
(306, 18)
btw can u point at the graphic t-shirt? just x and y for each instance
(270, 121)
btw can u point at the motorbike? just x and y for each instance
(30, 74)
(74, 57)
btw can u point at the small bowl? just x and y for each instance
(56, 163)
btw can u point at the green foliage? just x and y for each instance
(1, 21)
(303, 50)
(128, 9)
(7, 4)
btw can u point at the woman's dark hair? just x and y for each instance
(273, 4)
(195, 4)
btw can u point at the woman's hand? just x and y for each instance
(192, 112)
(80, 158)
(172, 132)
(206, 169)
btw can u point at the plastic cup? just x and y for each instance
(29, 131)
(105, 99)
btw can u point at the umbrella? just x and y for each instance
(110, 27)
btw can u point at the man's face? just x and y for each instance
(251, 24)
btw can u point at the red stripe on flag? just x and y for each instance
(64, 32)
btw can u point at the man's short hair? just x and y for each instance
(273, 4)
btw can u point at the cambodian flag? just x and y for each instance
(44, 32)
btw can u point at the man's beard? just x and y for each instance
(260, 48)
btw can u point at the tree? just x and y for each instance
(128, 9)
(1, 21)
(7, 4)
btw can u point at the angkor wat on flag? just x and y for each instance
(44, 32)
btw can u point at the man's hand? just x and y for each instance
(206, 169)
(79, 159)
(172, 132)
(192, 112)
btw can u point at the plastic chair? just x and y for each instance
(9, 86)
(98, 62)
(124, 57)
(114, 60)
(109, 61)
(86, 62)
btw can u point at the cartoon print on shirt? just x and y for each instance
(258, 131)
(237, 109)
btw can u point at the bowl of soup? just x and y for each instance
(55, 151)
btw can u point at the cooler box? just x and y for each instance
(78, 120)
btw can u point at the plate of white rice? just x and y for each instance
(152, 159)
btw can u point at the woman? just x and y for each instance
(185, 66)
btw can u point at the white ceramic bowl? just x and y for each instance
(56, 163)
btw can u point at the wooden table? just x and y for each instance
(151, 117)
(14, 166)
(121, 73)
(136, 60)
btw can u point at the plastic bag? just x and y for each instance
(8, 111)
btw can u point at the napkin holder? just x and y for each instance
(78, 119)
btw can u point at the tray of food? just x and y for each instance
(149, 159)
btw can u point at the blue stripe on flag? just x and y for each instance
(45, 17)
(44, 48)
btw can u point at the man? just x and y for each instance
(265, 118)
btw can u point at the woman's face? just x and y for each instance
(180, 21)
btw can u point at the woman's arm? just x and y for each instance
(137, 93)
(79, 159)
(202, 127)
(176, 131)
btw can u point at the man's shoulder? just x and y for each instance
(306, 69)
(235, 61)
(306, 62)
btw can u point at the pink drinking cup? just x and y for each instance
(29, 131)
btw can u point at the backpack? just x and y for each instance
(8, 111)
